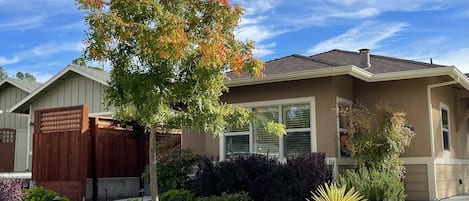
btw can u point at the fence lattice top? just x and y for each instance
(7, 135)
(60, 121)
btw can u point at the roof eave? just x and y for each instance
(356, 72)
(9, 81)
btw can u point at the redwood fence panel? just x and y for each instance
(7, 149)
(60, 146)
(69, 147)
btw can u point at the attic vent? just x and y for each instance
(365, 58)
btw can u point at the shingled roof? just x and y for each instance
(25, 85)
(338, 58)
(379, 64)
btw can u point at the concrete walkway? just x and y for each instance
(146, 198)
(457, 198)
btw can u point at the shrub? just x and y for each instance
(177, 195)
(374, 184)
(42, 194)
(173, 166)
(334, 193)
(302, 173)
(262, 177)
(11, 189)
(242, 196)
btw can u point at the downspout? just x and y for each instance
(431, 168)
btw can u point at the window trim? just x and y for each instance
(279, 102)
(340, 100)
(448, 130)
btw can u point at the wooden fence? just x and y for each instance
(59, 160)
(67, 150)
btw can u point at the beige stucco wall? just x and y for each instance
(412, 99)
(405, 95)
(453, 97)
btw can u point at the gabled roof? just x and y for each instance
(96, 75)
(341, 62)
(25, 85)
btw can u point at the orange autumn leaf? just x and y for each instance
(94, 3)
(224, 2)
(237, 63)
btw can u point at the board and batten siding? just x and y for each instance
(9, 96)
(76, 90)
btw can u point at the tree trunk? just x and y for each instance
(152, 163)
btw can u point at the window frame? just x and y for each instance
(278, 103)
(448, 130)
(340, 100)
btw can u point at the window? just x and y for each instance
(445, 129)
(343, 124)
(295, 114)
(237, 141)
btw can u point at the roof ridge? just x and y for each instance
(276, 59)
(393, 58)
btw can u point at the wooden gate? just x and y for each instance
(7, 149)
(60, 150)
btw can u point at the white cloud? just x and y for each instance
(6, 61)
(264, 50)
(458, 58)
(23, 23)
(43, 50)
(369, 34)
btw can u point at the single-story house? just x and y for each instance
(303, 92)
(14, 127)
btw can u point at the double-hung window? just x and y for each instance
(445, 128)
(295, 114)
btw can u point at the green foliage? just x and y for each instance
(169, 55)
(173, 166)
(3, 74)
(335, 193)
(262, 177)
(42, 194)
(177, 195)
(25, 76)
(242, 196)
(374, 184)
(377, 140)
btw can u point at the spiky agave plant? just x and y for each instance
(334, 193)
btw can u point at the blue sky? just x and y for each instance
(42, 38)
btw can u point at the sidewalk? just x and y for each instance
(146, 198)
(457, 198)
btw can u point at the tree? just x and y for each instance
(376, 140)
(168, 62)
(3, 74)
(80, 61)
(25, 76)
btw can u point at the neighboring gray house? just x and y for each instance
(71, 86)
(11, 92)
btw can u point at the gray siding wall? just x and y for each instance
(73, 91)
(9, 96)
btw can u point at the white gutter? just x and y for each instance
(431, 169)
